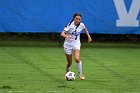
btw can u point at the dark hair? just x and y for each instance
(76, 14)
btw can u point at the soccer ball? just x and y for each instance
(70, 76)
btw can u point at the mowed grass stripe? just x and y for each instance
(28, 59)
(100, 75)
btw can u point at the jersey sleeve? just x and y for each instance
(83, 26)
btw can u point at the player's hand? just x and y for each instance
(89, 40)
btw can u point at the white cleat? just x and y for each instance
(82, 77)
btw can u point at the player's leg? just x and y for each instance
(68, 53)
(79, 63)
(77, 59)
(69, 62)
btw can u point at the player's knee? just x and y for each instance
(77, 60)
(69, 63)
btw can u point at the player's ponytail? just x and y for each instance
(71, 22)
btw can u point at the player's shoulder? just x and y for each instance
(82, 24)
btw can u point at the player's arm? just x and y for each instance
(89, 38)
(63, 34)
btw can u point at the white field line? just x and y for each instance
(35, 91)
(24, 91)
(55, 92)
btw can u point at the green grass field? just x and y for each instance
(108, 68)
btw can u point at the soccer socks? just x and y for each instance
(79, 67)
(68, 68)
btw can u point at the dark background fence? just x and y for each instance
(56, 37)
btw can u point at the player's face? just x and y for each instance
(77, 20)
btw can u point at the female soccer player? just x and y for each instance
(72, 42)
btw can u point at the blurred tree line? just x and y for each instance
(56, 37)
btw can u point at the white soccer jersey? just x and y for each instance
(74, 42)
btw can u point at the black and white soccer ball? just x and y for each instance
(70, 76)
